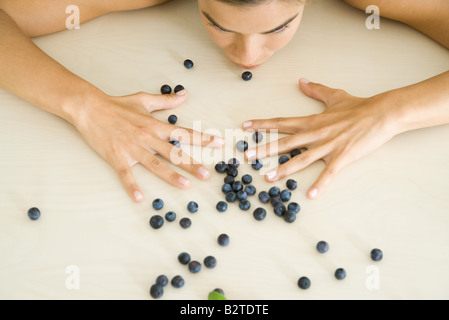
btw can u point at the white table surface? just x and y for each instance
(395, 199)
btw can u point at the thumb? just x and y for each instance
(322, 93)
(153, 102)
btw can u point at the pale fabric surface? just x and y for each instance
(395, 199)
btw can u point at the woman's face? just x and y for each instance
(249, 35)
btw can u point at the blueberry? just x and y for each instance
(226, 188)
(34, 213)
(250, 190)
(247, 75)
(259, 214)
(257, 164)
(232, 171)
(158, 204)
(285, 195)
(292, 184)
(222, 206)
(293, 206)
(177, 281)
(156, 221)
(184, 258)
(229, 180)
(244, 205)
(242, 146)
(220, 291)
(275, 200)
(322, 247)
(176, 143)
(172, 119)
(221, 167)
(295, 152)
(188, 64)
(340, 274)
(192, 206)
(210, 262)
(274, 191)
(289, 216)
(377, 255)
(185, 223)
(257, 137)
(279, 209)
(156, 291)
(166, 89)
(234, 162)
(242, 195)
(170, 216)
(247, 179)
(178, 88)
(304, 283)
(231, 197)
(283, 159)
(162, 280)
(264, 197)
(237, 186)
(223, 240)
(194, 266)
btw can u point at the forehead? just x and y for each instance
(250, 19)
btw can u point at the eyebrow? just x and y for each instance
(208, 17)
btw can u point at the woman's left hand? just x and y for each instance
(347, 130)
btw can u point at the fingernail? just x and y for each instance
(247, 124)
(203, 172)
(272, 174)
(313, 192)
(137, 196)
(250, 154)
(183, 181)
(181, 93)
(304, 81)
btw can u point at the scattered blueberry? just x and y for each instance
(176, 143)
(178, 88)
(184, 258)
(242, 195)
(170, 216)
(223, 240)
(257, 164)
(162, 280)
(285, 195)
(156, 291)
(250, 190)
(340, 274)
(231, 197)
(229, 180)
(242, 146)
(210, 262)
(194, 266)
(177, 281)
(279, 209)
(185, 223)
(257, 137)
(156, 221)
(247, 75)
(275, 200)
(34, 213)
(232, 171)
(188, 64)
(377, 255)
(158, 204)
(172, 119)
(166, 89)
(283, 159)
(247, 179)
(292, 184)
(322, 247)
(289, 216)
(192, 206)
(244, 205)
(293, 206)
(304, 283)
(234, 162)
(295, 152)
(222, 206)
(221, 167)
(264, 197)
(237, 186)
(226, 188)
(274, 191)
(259, 214)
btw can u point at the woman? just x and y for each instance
(249, 32)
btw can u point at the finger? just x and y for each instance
(162, 170)
(322, 93)
(283, 125)
(181, 159)
(152, 102)
(297, 163)
(193, 137)
(127, 178)
(324, 180)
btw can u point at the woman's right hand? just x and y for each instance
(124, 133)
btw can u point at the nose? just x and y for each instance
(247, 51)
